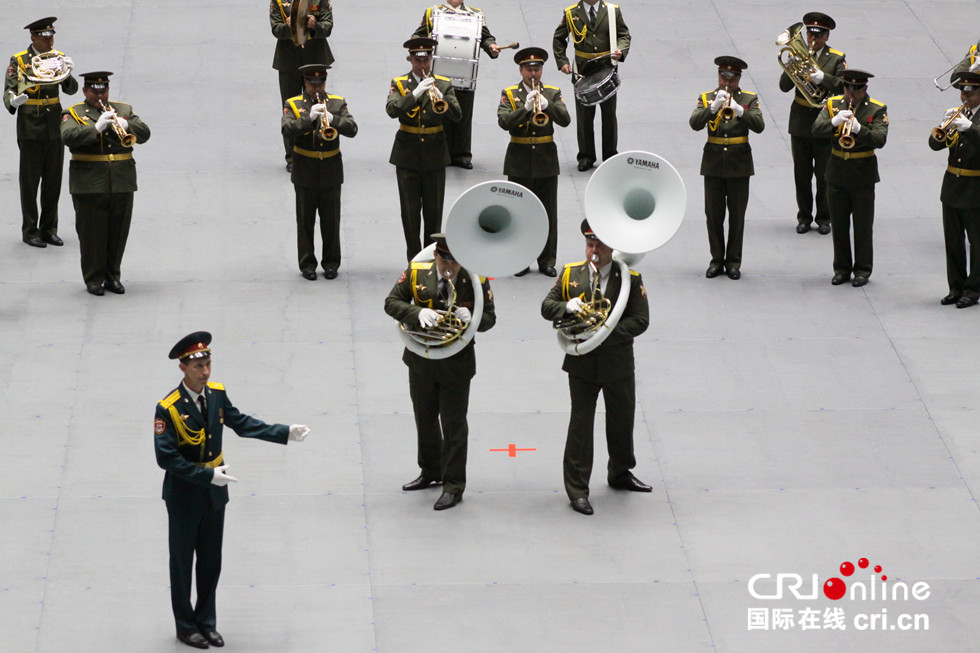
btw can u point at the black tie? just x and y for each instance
(202, 406)
(592, 15)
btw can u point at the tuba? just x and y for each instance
(635, 203)
(799, 65)
(494, 227)
(46, 68)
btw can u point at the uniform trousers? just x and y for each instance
(721, 193)
(860, 203)
(310, 201)
(810, 156)
(195, 528)
(41, 163)
(421, 195)
(620, 400)
(290, 85)
(102, 223)
(442, 452)
(459, 134)
(546, 190)
(585, 130)
(959, 226)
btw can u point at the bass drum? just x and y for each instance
(597, 87)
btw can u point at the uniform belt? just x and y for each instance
(420, 130)
(316, 155)
(724, 140)
(962, 172)
(532, 140)
(800, 100)
(591, 55)
(43, 101)
(852, 155)
(125, 156)
(213, 463)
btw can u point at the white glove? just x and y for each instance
(738, 109)
(428, 317)
(437, 92)
(298, 432)
(840, 117)
(951, 111)
(574, 305)
(317, 111)
(463, 314)
(962, 123)
(104, 120)
(816, 76)
(529, 102)
(855, 127)
(543, 101)
(718, 102)
(423, 87)
(123, 123)
(17, 100)
(68, 62)
(221, 477)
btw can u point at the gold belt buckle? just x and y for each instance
(112, 157)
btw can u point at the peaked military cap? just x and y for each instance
(314, 70)
(442, 246)
(819, 21)
(193, 345)
(587, 230)
(42, 27)
(97, 79)
(730, 64)
(531, 56)
(966, 81)
(420, 45)
(855, 76)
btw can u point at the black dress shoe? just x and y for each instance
(549, 271)
(713, 270)
(802, 227)
(951, 298)
(734, 274)
(52, 239)
(465, 165)
(193, 639)
(631, 483)
(964, 301)
(448, 500)
(823, 229)
(34, 241)
(214, 638)
(420, 483)
(523, 272)
(329, 274)
(289, 166)
(95, 290)
(859, 281)
(840, 278)
(309, 275)
(114, 286)
(582, 505)
(585, 165)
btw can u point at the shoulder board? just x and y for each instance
(571, 7)
(474, 9)
(445, 79)
(215, 386)
(295, 99)
(837, 52)
(484, 279)
(334, 97)
(553, 88)
(575, 264)
(835, 97)
(422, 265)
(171, 399)
(747, 93)
(875, 102)
(711, 92)
(634, 273)
(612, 5)
(402, 78)
(513, 88)
(23, 52)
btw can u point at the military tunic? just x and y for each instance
(420, 157)
(288, 57)
(188, 446)
(440, 389)
(42, 154)
(726, 165)
(459, 134)
(969, 59)
(318, 172)
(810, 154)
(960, 196)
(851, 178)
(591, 42)
(532, 156)
(608, 368)
(101, 180)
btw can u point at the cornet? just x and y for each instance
(946, 132)
(327, 132)
(438, 104)
(127, 139)
(846, 141)
(540, 118)
(727, 112)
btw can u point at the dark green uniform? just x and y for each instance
(42, 154)
(318, 172)
(810, 154)
(970, 59)
(726, 166)
(459, 134)
(532, 156)
(960, 196)
(591, 41)
(420, 157)
(608, 368)
(188, 446)
(288, 57)
(851, 179)
(101, 180)
(440, 389)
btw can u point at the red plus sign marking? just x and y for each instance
(512, 450)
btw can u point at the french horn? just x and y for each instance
(45, 68)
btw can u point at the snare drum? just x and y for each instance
(597, 87)
(457, 54)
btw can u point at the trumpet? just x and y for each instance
(127, 139)
(945, 132)
(438, 104)
(727, 112)
(593, 313)
(327, 132)
(540, 118)
(846, 141)
(973, 68)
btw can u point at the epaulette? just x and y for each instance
(78, 118)
(445, 79)
(553, 88)
(171, 399)
(422, 265)
(483, 280)
(835, 97)
(571, 7)
(334, 97)
(216, 386)
(21, 53)
(747, 93)
(293, 99)
(512, 88)
(634, 273)
(402, 78)
(876, 102)
(575, 264)
(833, 51)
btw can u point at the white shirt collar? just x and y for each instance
(194, 395)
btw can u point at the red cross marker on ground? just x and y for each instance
(512, 450)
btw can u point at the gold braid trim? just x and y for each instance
(186, 435)
(577, 36)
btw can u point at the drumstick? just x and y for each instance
(509, 46)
